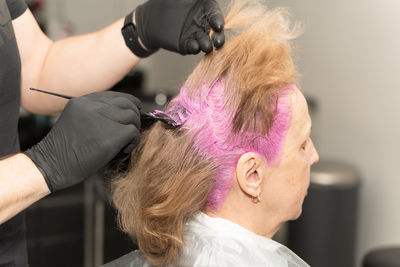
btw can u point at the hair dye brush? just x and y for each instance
(146, 118)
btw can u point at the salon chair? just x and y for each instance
(383, 257)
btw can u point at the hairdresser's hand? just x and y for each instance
(181, 26)
(89, 133)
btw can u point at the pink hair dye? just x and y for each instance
(209, 120)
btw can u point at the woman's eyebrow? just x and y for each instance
(308, 131)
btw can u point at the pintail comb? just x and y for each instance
(176, 116)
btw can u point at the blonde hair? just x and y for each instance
(169, 180)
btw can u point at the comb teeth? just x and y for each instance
(176, 116)
(148, 119)
(165, 118)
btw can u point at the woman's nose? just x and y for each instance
(314, 154)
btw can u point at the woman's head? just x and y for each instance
(238, 101)
(280, 189)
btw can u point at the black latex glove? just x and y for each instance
(181, 26)
(89, 133)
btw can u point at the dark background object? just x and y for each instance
(116, 243)
(55, 229)
(325, 233)
(32, 129)
(383, 257)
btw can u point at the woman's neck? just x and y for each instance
(252, 219)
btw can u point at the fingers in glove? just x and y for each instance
(214, 15)
(108, 95)
(128, 149)
(122, 116)
(131, 137)
(218, 39)
(204, 42)
(121, 102)
(192, 47)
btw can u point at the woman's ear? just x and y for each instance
(250, 174)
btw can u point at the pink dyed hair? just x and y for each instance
(209, 120)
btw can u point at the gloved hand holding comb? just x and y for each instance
(89, 133)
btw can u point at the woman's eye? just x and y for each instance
(303, 146)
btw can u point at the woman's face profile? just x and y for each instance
(290, 180)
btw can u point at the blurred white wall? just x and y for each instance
(349, 60)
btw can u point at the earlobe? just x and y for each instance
(249, 174)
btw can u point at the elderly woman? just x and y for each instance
(214, 188)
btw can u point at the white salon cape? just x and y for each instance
(218, 242)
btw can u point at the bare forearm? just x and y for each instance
(74, 66)
(21, 184)
(91, 62)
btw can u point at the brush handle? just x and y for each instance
(51, 93)
(147, 117)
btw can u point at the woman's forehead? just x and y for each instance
(301, 121)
